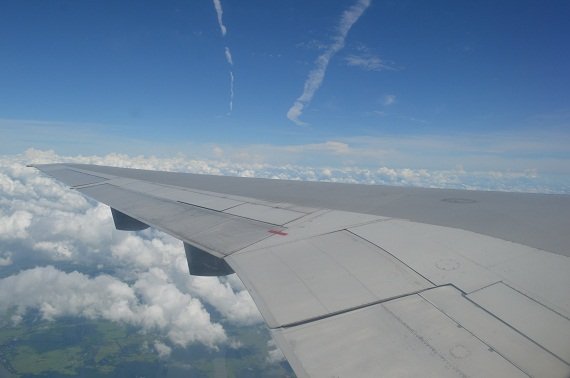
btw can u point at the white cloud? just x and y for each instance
(227, 52)
(220, 13)
(218, 152)
(388, 100)
(317, 75)
(162, 349)
(47, 220)
(296, 110)
(56, 293)
(229, 56)
(331, 146)
(368, 62)
(15, 225)
(57, 250)
(6, 259)
(274, 354)
(237, 307)
(547, 155)
(231, 91)
(143, 254)
(184, 318)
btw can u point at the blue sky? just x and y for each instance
(439, 81)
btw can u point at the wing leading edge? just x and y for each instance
(352, 294)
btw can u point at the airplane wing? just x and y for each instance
(366, 280)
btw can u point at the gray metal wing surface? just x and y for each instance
(365, 280)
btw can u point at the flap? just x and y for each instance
(213, 231)
(323, 275)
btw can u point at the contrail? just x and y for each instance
(229, 56)
(316, 76)
(231, 63)
(229, 59)
(220, 12)
(231, 91)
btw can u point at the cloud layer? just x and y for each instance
(135, 278)
(152, 302)
(317, 75)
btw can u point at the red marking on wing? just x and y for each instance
(278, 232)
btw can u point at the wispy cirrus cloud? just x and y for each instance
(227, 51)
(369, 62)
(230, 61)
(220, 13)
(231, 91)
(317, 75)
(388, 100)
(229, 58)
(331, 146)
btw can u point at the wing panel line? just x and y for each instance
(412, 269)
(354, 308)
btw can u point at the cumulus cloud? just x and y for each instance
(237, 307)
(327, 161)
(57, 250)
(57, 293)
(162, 306)
(146, 281)
(162, 349)
(167, 307)
(511, 154)
(274, 354)
(15, 225)
(317, 75)
(5, 259)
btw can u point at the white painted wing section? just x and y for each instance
(529, 317)
(536, 220)
(189, 197)
(311, 278)
(505, 340)
(405, 337)
(265, 213)
(472, 261)
(414, 245)
(215, 232)
(309, 289)
(72, 177)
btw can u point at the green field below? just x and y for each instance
(99, 348)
